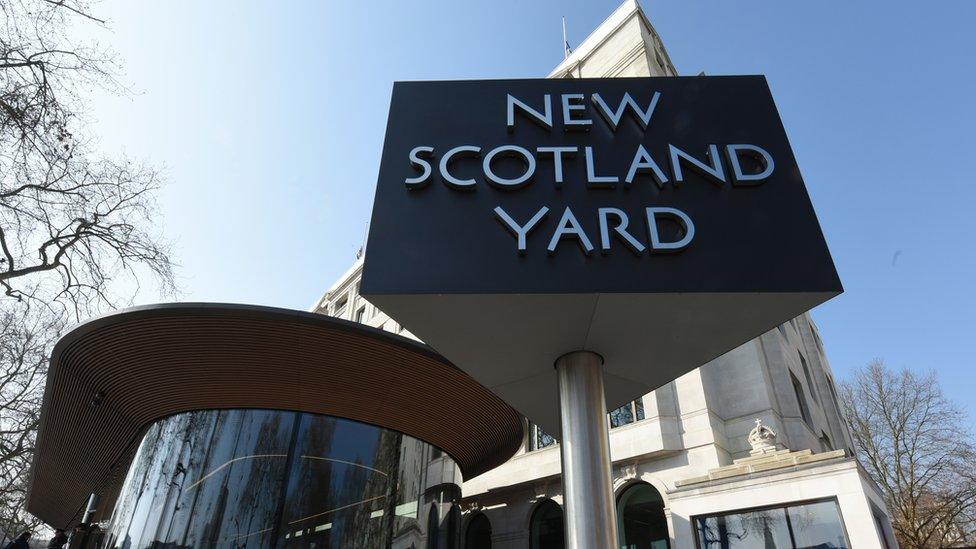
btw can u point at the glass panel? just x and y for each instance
(639, 407)
(342, 474)
(547, 527)
(817, 525)
(766, 529)
(187, 471)
(254, 478)
(478, 535)
(622, 416)
(642, 524)
(543, 439)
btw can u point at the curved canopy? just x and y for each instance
(112, 377)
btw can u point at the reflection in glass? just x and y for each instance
(641, 520)
(805, 525)
(257, 478)
(546, 531)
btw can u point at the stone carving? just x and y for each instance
(762, 439)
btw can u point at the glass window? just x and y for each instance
(817, 525)
(546, 530)
(539, 439)
(628, 413)
(806, 372)
(433, 523)
(478, 534)
(798, 526)
(641, 521)
(257, 478)
(361, 314)
(622, 415)
(801, 400)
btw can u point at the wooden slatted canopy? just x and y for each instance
(114, 376)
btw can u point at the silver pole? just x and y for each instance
(585, 452)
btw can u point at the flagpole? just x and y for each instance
(565, 40)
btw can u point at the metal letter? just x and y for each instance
(642, 164)
(520, 231)
(557, 159)
(665, 247)
(569, 225)
(544, 120)
(569, 124)
(714, 173)
(416, 162)
(450, 180)
(509, 184)
(594, 181)
(621, 230)
(766, 159)
(613, 117)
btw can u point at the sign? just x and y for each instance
(659, 222)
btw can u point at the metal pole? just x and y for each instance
(585, 452)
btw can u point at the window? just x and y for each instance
(801, 400)
(660, 61)
(782, 331)
(640, 518)
(433, 525)
(806, 373)
(628, 413)
(539, 439)
(478, 534)
(825, 442)
(361, 314)
(546, 528)
(883, 527)
(795, 526)
(816, 338)
(339, 308)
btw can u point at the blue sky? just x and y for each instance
(269, 122)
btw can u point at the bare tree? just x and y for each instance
(71, 221)
(77, 228)
(914, 443)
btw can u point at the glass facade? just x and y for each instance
(257, 478)
(795, 526)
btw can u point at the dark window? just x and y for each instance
(478, 534)
(883, 527)
(798, 526)
(639, 408)
(825, 442)
(640, 512)
(432, 526)
(361, 314)
(806, 373)
(546, 530)
(801, 400)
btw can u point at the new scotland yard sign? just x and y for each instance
(658, 222)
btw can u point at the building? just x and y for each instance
(212, 425)
(749, 450)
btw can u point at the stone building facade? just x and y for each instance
(749, 450)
